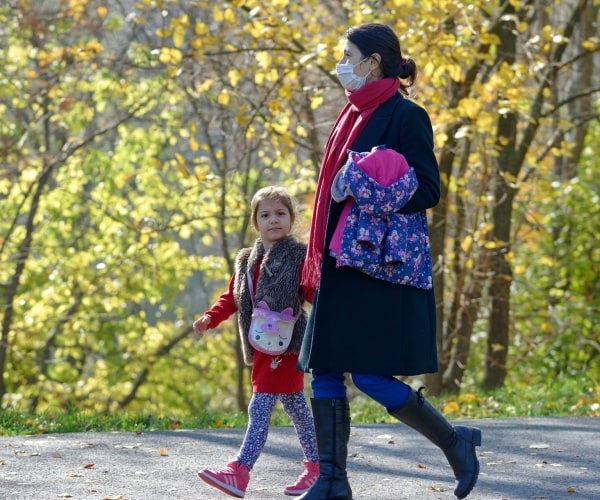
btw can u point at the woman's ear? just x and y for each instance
(376, 57)
(375, 65)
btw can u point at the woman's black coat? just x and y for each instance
(360, 324)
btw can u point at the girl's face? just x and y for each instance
(273, 221)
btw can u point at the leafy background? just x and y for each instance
(133, 135)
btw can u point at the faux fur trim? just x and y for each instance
(278, 285)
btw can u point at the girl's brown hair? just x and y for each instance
(276, 193)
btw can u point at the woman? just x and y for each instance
(380, 321)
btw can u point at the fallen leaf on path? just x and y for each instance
(163, 452)
(571, 489)
(85, 445)
(129, 446)
(88, 466)
(438, 489)
(539, 446)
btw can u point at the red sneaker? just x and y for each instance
(305, 481)
(233, 479)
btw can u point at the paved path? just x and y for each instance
(534, 458)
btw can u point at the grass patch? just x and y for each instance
(14, 422)
(566, 397)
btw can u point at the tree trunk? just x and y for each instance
(499, 291)
(23, 253)
(468, 278)
(437, 237)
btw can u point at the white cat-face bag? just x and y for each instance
(270, 331)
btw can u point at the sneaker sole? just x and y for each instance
(294, 493)
(290, 492)
(224, 487)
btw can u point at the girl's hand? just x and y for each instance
(201, 325)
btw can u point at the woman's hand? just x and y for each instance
(201, 325)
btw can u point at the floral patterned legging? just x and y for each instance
(260, 410)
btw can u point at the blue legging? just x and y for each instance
(385, 389)
(260, 410)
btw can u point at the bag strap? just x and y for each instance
(252, 291)
(250, 286)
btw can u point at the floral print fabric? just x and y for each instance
(374, 236)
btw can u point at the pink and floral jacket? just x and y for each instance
(372, 235)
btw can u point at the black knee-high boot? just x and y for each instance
(332, 425)
(458, 443)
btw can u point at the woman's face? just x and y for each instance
(363, 64)
(351, 54)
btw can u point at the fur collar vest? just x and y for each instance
(278, 285)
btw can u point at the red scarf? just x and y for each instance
(361, 104)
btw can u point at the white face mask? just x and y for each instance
(348, 78)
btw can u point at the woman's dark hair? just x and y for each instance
(375, 37)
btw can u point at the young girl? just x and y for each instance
(269, 272)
